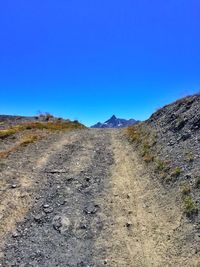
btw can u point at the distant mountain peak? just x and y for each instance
(113, 117)
(115, 122)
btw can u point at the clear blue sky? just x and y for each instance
(89, 59)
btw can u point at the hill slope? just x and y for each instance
(169, 143)
(170, 140)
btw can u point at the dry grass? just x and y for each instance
(7, 132)
(24, 141)
(50, 126)
(33, 132)
(144, 139)
(134, 134)
(28, 139)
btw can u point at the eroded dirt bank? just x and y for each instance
(93, 204)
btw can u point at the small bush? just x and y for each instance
(186, 189)
(145, 149)
(134, 134)
(161, 165)
(154, 140)
(189, 206)
(176, 172)
(197, 182)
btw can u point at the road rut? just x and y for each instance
(95, 205)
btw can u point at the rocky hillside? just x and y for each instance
(115, 122)
(169, 142)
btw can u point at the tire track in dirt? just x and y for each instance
(63, 223)
(95, 205)
(15, 202)
(139, 215)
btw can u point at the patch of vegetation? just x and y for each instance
(190, 206)
(145, 149)
(134, 133)
(161, 165)
(176, 172)
(141, 136)
(50, 126)
(28, 139)
(189, 157)
(37, 131)
(24, 141)
(7, 132)
(197, 182)
(185, 189)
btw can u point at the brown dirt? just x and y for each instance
(143, 218)
(113, 214)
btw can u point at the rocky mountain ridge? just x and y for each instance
(115, 122)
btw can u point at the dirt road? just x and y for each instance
(89, 202)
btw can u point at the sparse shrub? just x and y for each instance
(186, 189)
(189, 157)
(190, 206)
(28, 139)
(134, 134)
(144, 138)
(176, 172)
(161, 165)
(145, 149)
(153, 140)
(197, 182)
